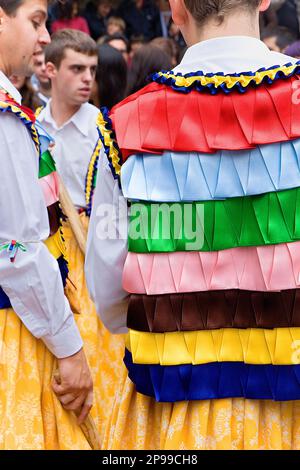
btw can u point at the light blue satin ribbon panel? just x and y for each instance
(180, 177)
(45, 138)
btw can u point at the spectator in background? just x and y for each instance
(165, 15)
(278, 38)
(136, 43)
(29, 97)
(97, 14)
(115, 25)
(119, 42)
(282, 13)
(287, 15)
(293, 50)
(169, 47)
(175, 34)
(111, 77)
(68, 17)
(146, 61)
(269, 18)
(142, 17)
(40, 81)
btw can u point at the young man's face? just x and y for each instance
(21, 35)
(39, 68)
(121, 46)
(73, 80)
(113, 28)
(271, 42)
(139, 3)
(104, 9)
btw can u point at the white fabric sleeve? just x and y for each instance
(33, 282)
(107, 249)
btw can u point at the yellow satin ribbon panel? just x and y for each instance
(280, 346)
(56, 245)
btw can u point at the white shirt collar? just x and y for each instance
(233, 54)
(8, 86)
(79, 119)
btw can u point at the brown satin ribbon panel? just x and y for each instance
(54, 215)
(214, 310)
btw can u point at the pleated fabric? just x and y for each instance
(138, 422)
(215, 150)
(31, 417)
(263, 268)
(152, 121)
(185, 176)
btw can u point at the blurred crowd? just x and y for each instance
(137, 38)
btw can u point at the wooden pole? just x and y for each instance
(70, 211)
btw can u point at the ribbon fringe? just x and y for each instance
(251, 346)
(215, 381)
(215, 82)
(184, 177)
(269, 268)
(215, 225)
(213, 310)
(159, 119)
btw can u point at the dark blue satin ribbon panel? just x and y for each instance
(215, 381)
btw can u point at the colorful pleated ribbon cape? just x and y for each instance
(48, 182)
(212, 159)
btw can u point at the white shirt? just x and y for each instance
(105, 258)
(230, 55)
(74, 145)
(33, 282)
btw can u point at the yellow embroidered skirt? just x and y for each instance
(138, 422)
(31, 417)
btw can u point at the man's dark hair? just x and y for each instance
(118, 36)
(64, 10)
(202, 10)
(11, 6)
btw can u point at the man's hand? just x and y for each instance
(74, 387)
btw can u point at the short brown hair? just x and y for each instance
(202, 10)
(11, 6)
(69, 39)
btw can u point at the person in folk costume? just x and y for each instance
(71, 61)
(39, 338)
(207, 159)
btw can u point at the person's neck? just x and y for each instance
(61, 111)
(4, 67)
(45, 90)
(237, 24)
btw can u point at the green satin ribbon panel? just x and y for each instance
(47, 164)
(215, 225)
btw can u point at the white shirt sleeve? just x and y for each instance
(33, 282)
(107, 249)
